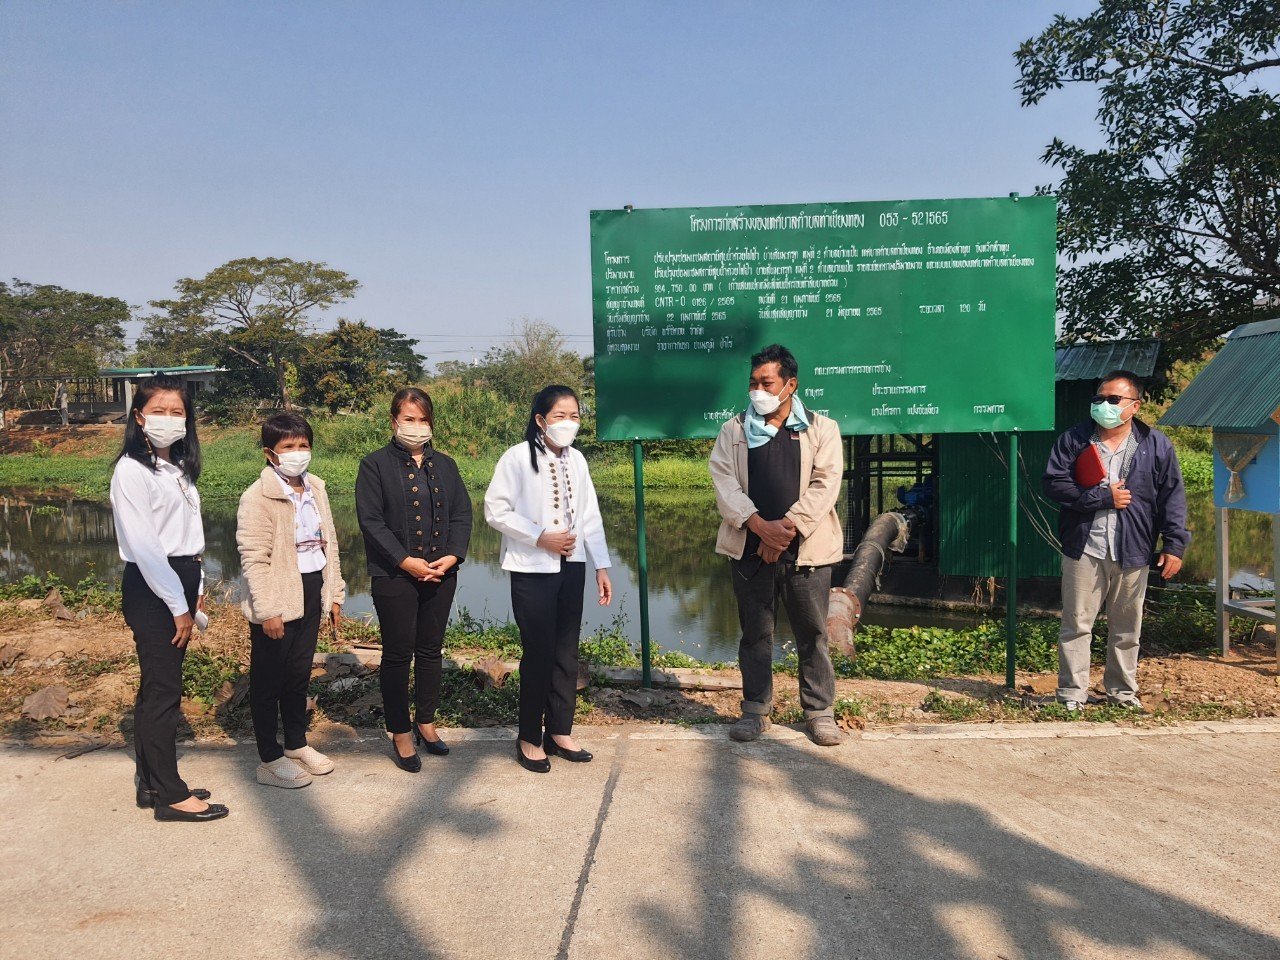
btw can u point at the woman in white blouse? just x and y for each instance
(161, 536)
(543, 503)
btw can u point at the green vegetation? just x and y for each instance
(917, 653)
(606, 647)
(462, 700)
(86, 668)
(1162, 224)
(204, 672)
(46, 331)
(957, 708)
(89, 591)
(846, 708)
(469, 632)
(922, 653)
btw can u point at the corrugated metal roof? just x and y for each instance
(1092, 360)
(1239, 389)
(150, 371)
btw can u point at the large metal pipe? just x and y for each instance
(888, 532)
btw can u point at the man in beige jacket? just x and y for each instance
(777, 470)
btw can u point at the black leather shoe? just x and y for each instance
(147, 798)
(533, 766)
(409, 764)
(435, 747)
(215, 811)
(554, 749)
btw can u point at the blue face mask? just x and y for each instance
(1107, 415)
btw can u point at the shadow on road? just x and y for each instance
(878, 871)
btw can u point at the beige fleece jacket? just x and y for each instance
(269, 555)
(814, 514)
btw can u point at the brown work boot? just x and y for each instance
(824, 732)
(749, 727)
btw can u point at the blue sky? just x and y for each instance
(447, 155)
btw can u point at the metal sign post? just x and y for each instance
(1011, 590)
(642, 563)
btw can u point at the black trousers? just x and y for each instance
(280, 673)
(548, 610)
(159, 704)
(412, 616)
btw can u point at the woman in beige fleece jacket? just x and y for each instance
(292, 579)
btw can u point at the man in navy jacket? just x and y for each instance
(1109, 535)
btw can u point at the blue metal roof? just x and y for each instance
(1240, 387)
(1093, 360)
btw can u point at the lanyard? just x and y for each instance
(1126, 453)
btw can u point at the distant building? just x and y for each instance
(123, 380)
(102, 398)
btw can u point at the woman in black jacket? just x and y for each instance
(415, 515)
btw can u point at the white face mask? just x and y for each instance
(764, 402)
(413, 434)
(562, 432)
(163, 432)
(292, 463)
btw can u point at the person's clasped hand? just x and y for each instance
(561, 542)
(1121, 496)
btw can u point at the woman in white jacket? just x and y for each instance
(542, 501)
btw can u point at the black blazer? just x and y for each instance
(384, 522)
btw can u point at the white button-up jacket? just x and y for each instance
(521, 504)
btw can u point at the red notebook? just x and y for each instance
(1089, 470)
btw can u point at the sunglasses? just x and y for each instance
(1112, 398)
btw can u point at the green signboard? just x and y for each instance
(919, 316)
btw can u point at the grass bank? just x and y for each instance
(1173, 624)
(82, 465)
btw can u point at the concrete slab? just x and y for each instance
(673, 843)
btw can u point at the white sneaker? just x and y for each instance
(1071, 706)
(311, 760)
(283, 772)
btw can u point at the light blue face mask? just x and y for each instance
(1107, 415)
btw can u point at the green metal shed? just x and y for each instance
(972, 480)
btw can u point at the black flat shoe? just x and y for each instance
(215, 811)
(409, 764)
(435, 747)
(554, 749)
(147, 798)
(533, 766)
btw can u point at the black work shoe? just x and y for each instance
(409, 764)
(215, 811)
(147, 798)
(533, 766)
(554, 749)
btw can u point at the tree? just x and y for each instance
(398, 353)
(534, 357)
(353, 364)
(181, 339)
(1170, 229)
(46, 331)
(257, 310)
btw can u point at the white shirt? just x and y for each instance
(308, 529)
(521, 504)
(157, 516)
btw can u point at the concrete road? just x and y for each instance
(1033, 841)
